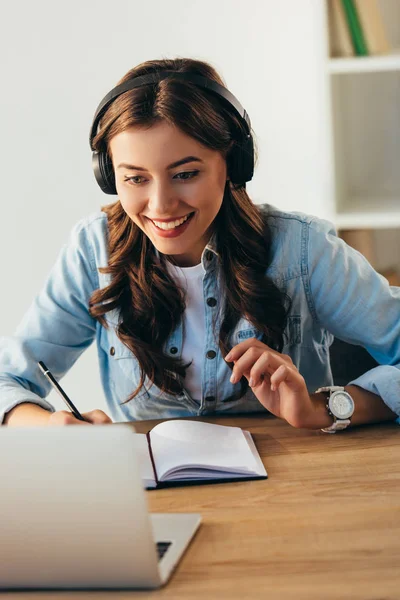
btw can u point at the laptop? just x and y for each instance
(73, 512)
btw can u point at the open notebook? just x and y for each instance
(179, 452)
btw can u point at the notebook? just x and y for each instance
(74, 512)
(180, 452)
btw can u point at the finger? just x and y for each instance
(290, 376)
(244, 364)
(63, 417)
(238, 350)
(266, 364)
(97, 417)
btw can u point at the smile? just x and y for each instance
(171, 224)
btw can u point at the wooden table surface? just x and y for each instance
(324, 525)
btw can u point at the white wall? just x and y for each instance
(60, 59)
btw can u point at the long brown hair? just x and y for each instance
(149, 303)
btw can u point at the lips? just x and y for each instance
(172, 232)
(171, 219)
(170, 224)
(167, 221)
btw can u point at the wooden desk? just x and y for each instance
(325, 525)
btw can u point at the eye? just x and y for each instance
(135, 180)
(183, 176)
(186, 175)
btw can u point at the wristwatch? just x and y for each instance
(340, 406)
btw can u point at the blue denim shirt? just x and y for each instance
(334, 292)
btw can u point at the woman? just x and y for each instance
(200, 301)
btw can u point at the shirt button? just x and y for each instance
(210, 398)
(211, 354)
(209, 255)
(112, 350)
(211, 301)
(173, 350)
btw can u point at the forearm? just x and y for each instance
(26, 414)
(368, 408)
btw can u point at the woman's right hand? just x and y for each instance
(65, 417)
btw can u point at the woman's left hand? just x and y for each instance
(275, 381)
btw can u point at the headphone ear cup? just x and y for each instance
(240, 162)
(104, 172)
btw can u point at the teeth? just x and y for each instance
(170, 224)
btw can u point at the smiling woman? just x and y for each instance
(172, 152)
(200, 301)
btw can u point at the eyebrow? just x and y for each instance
(177, 163)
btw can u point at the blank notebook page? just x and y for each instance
(179, 443)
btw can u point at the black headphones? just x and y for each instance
(241, 157)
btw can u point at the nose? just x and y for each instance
(162, 201)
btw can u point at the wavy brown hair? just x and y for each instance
(149, 303)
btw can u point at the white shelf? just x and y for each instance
(365, 64)
(369, 213)
(364, 143)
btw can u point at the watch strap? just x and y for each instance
(338, 424)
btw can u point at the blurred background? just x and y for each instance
(320, 80)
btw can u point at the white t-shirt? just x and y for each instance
(191, 280)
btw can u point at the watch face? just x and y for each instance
(341, 405)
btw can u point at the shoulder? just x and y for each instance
(293, 235)
(92, 228)
(294, 222)
(89, 237)
(95, 224)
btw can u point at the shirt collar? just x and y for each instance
(211, 246)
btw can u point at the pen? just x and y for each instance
(60, 391)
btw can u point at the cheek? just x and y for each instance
(132, 209)
(127, 205)
(129, 202)
(210, 193)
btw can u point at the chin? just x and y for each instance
(169, 247)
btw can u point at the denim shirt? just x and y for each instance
(333, 289)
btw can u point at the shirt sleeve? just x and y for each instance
(56, 329)
(357, 305)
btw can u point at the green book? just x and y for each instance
(356, 32)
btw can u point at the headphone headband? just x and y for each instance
(241, 158)
(156, 77)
